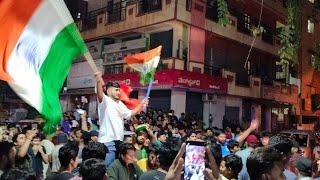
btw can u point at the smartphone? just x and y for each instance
(194, 162)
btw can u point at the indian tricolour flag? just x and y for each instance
(146, 63)
(38, 42)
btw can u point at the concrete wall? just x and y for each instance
(253, 90)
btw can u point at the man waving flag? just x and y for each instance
(38, 42)
(146, 63)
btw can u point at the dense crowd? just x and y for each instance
(153, 148)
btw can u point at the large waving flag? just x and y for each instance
(146, 63)
(38, 42)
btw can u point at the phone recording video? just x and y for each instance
(194, 160)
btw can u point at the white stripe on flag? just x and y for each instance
(32, 49)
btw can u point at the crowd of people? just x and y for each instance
(152, 148)
(136, 145)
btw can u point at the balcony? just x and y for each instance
(126, 17)
(147, 6)
(90, 20)
(240, 29)
(281, 92)
(212, 71)
(234, 88)
(116, 12)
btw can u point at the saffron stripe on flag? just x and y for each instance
(32, 49)
(14, 15)
(143, 57)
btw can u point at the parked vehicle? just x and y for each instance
(305, 139)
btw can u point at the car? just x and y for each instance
(305, 139)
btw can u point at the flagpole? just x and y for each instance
(148, 93)
(89, 59)
(149, 88)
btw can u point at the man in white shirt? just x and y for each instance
(112, 112)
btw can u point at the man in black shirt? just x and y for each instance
(68, 160)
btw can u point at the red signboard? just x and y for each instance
(174, 79)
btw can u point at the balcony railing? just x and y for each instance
(147, 6)
(116, 12)
(90, 19)
(244, 22)
(89, 23)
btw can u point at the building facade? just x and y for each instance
(205, 68)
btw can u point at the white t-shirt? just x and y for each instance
(49, 146)
(111, 116)
(55, 158)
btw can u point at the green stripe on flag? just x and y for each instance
(145, 78)
(67, 46)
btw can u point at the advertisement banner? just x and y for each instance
(174, 79)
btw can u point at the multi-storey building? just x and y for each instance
(204, 68)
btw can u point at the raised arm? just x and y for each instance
(24, 148)
(254, 125)
(136, 110)
(100, 86)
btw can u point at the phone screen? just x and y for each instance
(194, 160)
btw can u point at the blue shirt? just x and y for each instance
(244, 154)
(224, 149)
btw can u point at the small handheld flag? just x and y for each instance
(146, 63)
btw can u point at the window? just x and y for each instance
(196, 69)
(244, 23)
(165, 39)
(211, 10)
(198, 7)
(303, 104)
(147, 6)
(310, 26)
(115, 69)
(188, 5)
(116, 11)
(312, 59)
(247, 21)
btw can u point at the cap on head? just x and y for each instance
(252, 139)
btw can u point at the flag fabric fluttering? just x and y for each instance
(38, 42)
(125, 92)
(146, 63)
